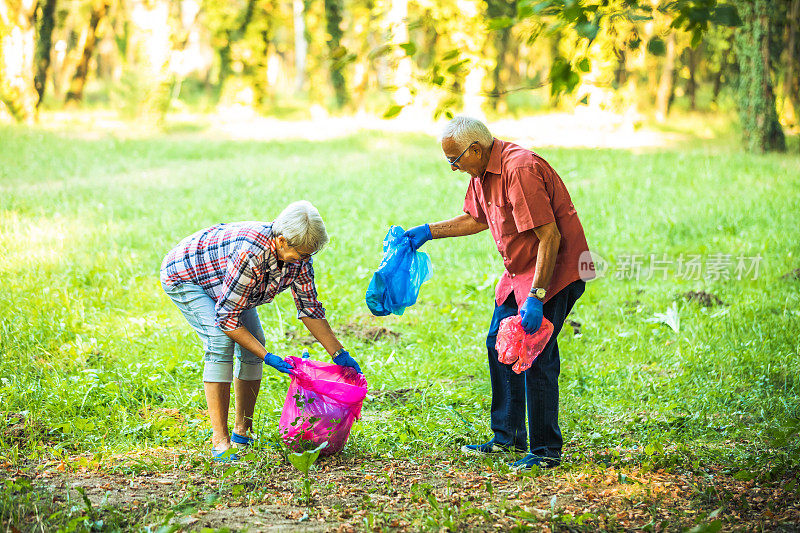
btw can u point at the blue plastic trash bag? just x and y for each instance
(395, 285)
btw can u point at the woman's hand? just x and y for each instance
(343, 359)
(277, 363)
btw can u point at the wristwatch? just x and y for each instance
(338, 352)
(539, 293)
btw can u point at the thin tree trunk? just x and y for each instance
(718, 76)
(75, 93)
(44, 44)
(333, 23)
(666, 84)
(691, 85)
(300, 44)
(792, 79)
(620, 72)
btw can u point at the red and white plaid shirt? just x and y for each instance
(237, 266)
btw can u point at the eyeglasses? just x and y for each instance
(306, 257)
(454, 162)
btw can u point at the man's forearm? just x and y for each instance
(549, 242)
(456, 227)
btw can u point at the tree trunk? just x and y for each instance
(692, 57)
(231, 36)
(333, 24)
(501, 40)
(300, 44)
(44, 44)
(718, 75)
(666, 84)
(17, 49)
(620, 72)
(400, 63)
(75, 93)
(792, 79)
(759, 120)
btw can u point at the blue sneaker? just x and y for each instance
(225, 456)
(241, 441)
(530, 460)
(489, 448)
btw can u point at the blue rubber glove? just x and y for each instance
(344, 359)
(531, 314)
(277, 363)
(418, 235)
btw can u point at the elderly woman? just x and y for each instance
(217, 277)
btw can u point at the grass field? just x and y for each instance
(677, 412)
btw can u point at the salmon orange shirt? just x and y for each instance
(518, 192)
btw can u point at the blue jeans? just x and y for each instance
(538, 384)
(198, 309)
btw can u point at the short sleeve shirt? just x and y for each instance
(237, 266)
(518, 192)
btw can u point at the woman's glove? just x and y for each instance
(344, 359)
(531, 314)
(418, 235)
(277, 363)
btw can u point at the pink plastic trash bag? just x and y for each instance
(321, 405)
(516, 346)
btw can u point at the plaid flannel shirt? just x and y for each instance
(236, 264)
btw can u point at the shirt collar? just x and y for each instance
(494, 167)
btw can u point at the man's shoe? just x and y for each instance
(530, 460)
(488, 448)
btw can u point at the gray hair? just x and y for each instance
(466, 130)
(302, 226)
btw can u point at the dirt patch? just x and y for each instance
(793, 275)
(17, 428)
(396, 395)
(706, 299)
(369, 333)
(356, 493)
(362, 332)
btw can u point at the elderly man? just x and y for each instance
(520, 198)
(217, 276)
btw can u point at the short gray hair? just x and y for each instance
(302, 226)
(466, 130)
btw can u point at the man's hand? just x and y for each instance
(277, 363)
(531, 314)
(418, 235)
(344, 359)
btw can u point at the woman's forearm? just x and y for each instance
(321, 330)
(457, 227)
(246, 340)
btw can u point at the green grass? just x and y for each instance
(88, 341)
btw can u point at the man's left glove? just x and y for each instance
(344, 359)
(277, 363)
(531, 314)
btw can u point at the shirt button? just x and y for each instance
(512, 275)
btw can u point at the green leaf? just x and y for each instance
(452, 54)
(584, 65)
(656, 46)
(500, 23)
(393, 111)
(584, 100)
(587, 30)
(410, 48)
(726, 15)
(303, 461)
(379, 51)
